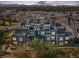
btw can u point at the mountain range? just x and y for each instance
(43, 3)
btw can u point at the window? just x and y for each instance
(77, 23)
(28, 35)
(38, 28)
(20, 39)
(14, 38)
(66, 42)
(60, 43)
(31, 28)
(48, 38)
(53, 33)
(42, 32)
(47, 32)
(67, 38)
(77, 30)
(47, 26)
(15, 42)
(61, 38)
(27, 26)
(53, 42)
(53, 37)
(32, 33)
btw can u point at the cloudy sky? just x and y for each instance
(54, 3)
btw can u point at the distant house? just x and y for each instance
(19, 36)
(45, 32)
(77, 28)
(62, 37)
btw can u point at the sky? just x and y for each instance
(54, 3)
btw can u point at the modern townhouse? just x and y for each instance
(46, 31)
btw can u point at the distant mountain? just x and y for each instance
(43, 4)
(40, 7)
(11, 5)
(52, 3)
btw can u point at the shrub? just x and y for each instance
(22, 54)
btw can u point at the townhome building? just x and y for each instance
(48, 31)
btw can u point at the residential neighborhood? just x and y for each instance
(34, 31)
(49, 27)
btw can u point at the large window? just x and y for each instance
(66, 38)
(47, 32)
(32, 33)
(42, 32)
(31, 28)
(77, 24)
(15, 42)
(77, 30)
(46, 26)
(38, 28)
(53, 37)
(53, 42)
(61, 38)
(20, 39)
(14, 38)
(27, 26)
(53, 33)
(61, 43)
(48, 38)
(66, 42)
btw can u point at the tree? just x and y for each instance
(44, 48)
(1, 35)
(35, 43)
